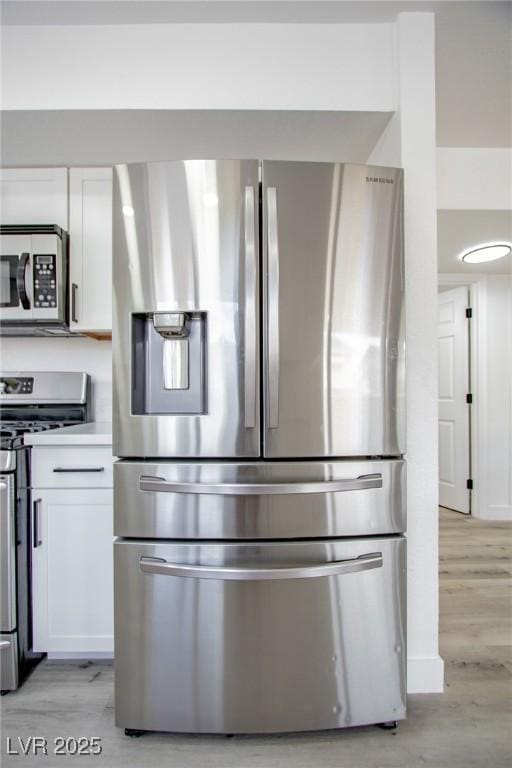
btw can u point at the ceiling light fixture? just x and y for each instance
(485, 252)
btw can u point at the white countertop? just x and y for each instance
(92, 433)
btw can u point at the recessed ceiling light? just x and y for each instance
(485, 252)
(128, 210)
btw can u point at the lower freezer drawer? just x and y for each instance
(259, 637)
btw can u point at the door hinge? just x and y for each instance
(469, 484)
(469, 398)
(469, 312)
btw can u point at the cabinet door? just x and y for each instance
(34, 196)
(72, 575)
(90, 226)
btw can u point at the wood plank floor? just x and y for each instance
(469, 726)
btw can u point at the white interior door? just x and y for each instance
(452, 340)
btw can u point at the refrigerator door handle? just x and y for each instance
(361, 483)
(250, 330)
(273, 309)
(261, 573)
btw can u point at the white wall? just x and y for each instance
(491, 374)
(409, 140)
(494, 398)
(474, 178)
(416, 80)
(65, 354)
(109, 136)
(199, 66)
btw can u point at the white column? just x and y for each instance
(416, 87)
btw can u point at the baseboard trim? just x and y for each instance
(496, 512)
(425, 675)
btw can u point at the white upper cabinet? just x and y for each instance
(34, 196)
(90, 230)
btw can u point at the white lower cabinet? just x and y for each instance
(72, 577)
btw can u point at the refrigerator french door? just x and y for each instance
(258, 416)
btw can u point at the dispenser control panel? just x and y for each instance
(45, 280)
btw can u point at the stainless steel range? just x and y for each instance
(29, 402)
(259, 413)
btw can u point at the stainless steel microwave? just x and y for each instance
(33, 280)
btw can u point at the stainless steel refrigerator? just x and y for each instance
(259, 420)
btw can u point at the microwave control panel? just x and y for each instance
(45, 281)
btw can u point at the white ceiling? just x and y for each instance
(460, 230)
(473, 45)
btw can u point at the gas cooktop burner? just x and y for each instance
(11, 432)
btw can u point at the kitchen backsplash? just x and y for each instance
(65, 354)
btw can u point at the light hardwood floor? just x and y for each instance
(469, 726)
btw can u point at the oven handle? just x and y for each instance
(361, 483)
(261, 573)
(21, 285)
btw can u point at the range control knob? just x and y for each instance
(3, 387)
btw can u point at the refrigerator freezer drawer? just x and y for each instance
(258, 500)
(254, 638)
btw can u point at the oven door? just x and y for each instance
(7, 554)
(16, 278)
(259, 637)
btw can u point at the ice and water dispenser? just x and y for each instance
(169, 371)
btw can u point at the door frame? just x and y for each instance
(477, 286)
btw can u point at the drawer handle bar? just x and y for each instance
(5, 644)
(79, 469)
(262, 573)
(361, 483)
(36, 523)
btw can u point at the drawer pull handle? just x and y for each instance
(79, 469)
(262, 573)
(361, 483)
(36, 523)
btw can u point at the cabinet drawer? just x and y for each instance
(75, 467)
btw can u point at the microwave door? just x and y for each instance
(15, 278)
